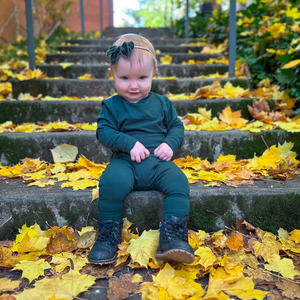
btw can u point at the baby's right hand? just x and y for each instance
(139, 152)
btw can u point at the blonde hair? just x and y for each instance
(142, 47)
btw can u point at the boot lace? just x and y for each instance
(109, 232)
(176, 229)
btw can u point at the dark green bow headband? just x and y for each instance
(115, 51)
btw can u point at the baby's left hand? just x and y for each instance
(164, 152)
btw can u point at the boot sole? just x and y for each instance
(100, 263)
(177, 255)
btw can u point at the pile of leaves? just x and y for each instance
(57, 126)
(276, 162)
(268, 36)
(228, 120)
(244, 262)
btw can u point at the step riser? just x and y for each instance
(96, 58)
(110, 41)
(151, 32)
(82, 88)
(95, 48)
(100, 71)
(266, 207)
(203, 144)
(86, 111)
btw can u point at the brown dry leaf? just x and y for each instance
(59, 243)
(260, 110)
(120, 288)
(235, 241)
(290, 289)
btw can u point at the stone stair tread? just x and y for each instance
(86, 111)
(100, 71)
(153, 40)
(105, 87)
(269, 204)
(96, 48)
(98, 57)
(203, 144)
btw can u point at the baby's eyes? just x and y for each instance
(143, 77)
(124, 78)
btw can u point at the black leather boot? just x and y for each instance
(173, 241)
(106, 246)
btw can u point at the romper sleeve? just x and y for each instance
(108, 133)
(175, 127)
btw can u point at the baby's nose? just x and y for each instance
(133, 85)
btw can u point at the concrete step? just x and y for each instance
(203, 144)
(154, 40)
(144, 31)
(100, 71)
(96, 58)
(268, 204)
(87, 111)
(96, 48)
(105, 87)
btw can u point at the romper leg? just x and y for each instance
(174, 184)
(116, 182)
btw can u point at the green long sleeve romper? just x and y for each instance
(151, 121)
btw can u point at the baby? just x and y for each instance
(143, 131)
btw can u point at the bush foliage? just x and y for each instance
(268, 38)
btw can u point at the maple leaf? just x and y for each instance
(59, 243)
(7, 260)
(228, 116)
(32, 269)
(80, 184)
(171, 285)
(295, 235)
(244, 289)
(144, 247)
(268, 247)
(69, 286)
(284, 266)
(207, 258)
(6, 285)
(235, 241)
(120, 288)
(30, 239)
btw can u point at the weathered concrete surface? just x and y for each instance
(203, 144)
(99, 48)
(87, 111)
(96, 58)
(154, 40)
(145, 31)
(105, 87)
(101, 72)
(268, 204)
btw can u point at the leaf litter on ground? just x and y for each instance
(237, 261)
(278, 162)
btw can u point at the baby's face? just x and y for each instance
(133, 80)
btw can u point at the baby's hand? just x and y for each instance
(164, 152)
(139, 152)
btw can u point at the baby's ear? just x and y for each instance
(154, 72)
(110, 72)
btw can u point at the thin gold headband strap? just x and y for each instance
(142, 48)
